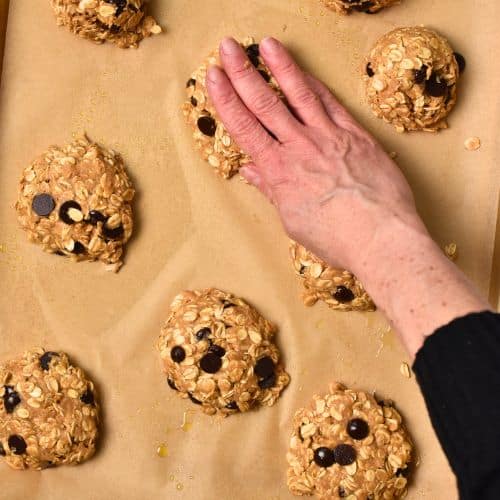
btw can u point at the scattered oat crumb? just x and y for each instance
(284, 28)
(405, 370)
(393, 155)
(162, 451)
(451, 251)
(472, 143)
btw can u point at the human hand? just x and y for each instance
(332, 183)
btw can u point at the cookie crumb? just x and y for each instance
(472, 143)
(451, 251)
(405, 370)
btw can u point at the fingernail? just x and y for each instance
(213, 74)
(269, 44)
(229, 46)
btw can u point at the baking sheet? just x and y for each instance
(194, 230)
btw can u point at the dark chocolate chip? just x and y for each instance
(420, 74)
(194, 400)
(435, 87)
(95, 216)
(264, 367)
(403, 472)
(112, 234)
(357, 428)
(78, 248)
(11, 398)
(171, 384)
(233, 405)
(120, 5)
(210, 363)
(217, 350)
(268, 382)
(265, 75)
(2, 451)
(253, 53)
(46, 358)
(324, 457)
(342, 492)
(345, 454)
(114, 29)
(58, 252)
(43, 204)
(460, 61)
(194, 102)
(227, 304)
(178, 354)
(191, 82)
(369, 70)
(302, 269)
(207, 125)
(63, 211)
(17, 444)
(87, 397)
(343, 294)
(203, 333)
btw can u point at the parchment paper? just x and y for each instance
(194, 230)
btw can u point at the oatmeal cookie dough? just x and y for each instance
(48, 412)
(411, 79)
(122, 22)
(211, 138)
(76, 201)
(338, 288)
(367, 6)
(347, 445)
(218, 351)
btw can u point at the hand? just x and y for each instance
(332, 183)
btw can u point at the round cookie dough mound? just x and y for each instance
(48, 413)
(218, 351)
(122, 22)
(347, 445)
(367, 6)
(76, 201)
(338, 288)
(211, 138)
(411, 79)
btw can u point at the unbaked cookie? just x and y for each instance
(122, 22)
(411, 79)
(367, 6)
(218, 351)
(210, 135)
(48, 412)
(347, 445)
(338, 288)
(76, 201)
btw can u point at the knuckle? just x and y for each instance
(241, 71)
(287, 67)
(266, 103)
(305, 96)
(245, 125)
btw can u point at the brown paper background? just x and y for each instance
(194, 230)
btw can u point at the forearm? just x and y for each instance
(414, 283)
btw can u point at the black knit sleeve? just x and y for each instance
(458, 369)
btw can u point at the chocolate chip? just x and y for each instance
(233, 405)
(43, 204)
(302, 269)
(217, 350)
(403, 472)
(435, 87)
(324, 457)
(2, 451)
(369, 70)
(112, 234)
(345, 454)
(264, 367)
(264, 75)
(253, 53)
(58, 252)
(194, 101)
(46, 358)
(78, 249)
(194, 400)
(460, 61)
(17, 444)
(357, 428)
(120, 5)
(11, 398)
(207, 125)
(95, 216)
(178, 354)
(191, 82)
(227, 304)
(342, 492)
(420, 74)
(87, 397)
(114, 29)
(268, 382)
(210, 363)
(64, 211)
(343, 294)
(171, 384)
(203, 333)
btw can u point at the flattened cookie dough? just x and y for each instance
(338, 288)
(76, 201)
(218, 351)
(210, 135)
(411, 79)
(122, 22)
(367, 6)
(48, 412)
(347, 445)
